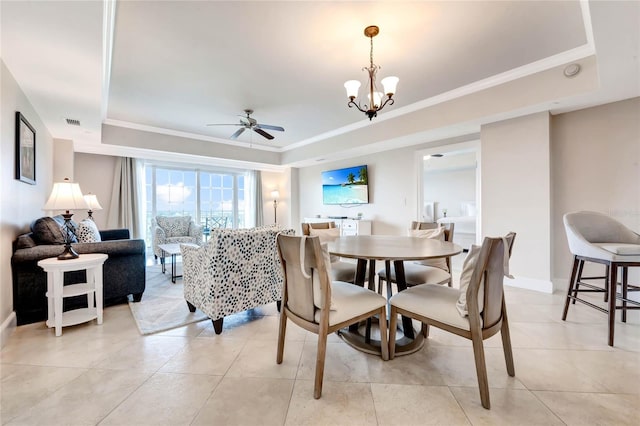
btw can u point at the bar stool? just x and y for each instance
(596, 237)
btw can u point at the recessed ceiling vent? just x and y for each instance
(72, 122)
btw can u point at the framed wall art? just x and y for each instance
(25, 150)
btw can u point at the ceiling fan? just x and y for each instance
(248, 122)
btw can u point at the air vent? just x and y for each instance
(72, 122)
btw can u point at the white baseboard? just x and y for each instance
(8, 327)
(560, 284)
(534, 284)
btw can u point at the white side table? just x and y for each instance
(56, 290)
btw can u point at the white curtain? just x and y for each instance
(253, 199)
(126, 210)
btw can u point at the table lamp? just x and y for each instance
(66, 196)
(92, 202)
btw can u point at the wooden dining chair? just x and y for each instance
(477, 311)
(327, 231)
(312, 301)
(429, 271)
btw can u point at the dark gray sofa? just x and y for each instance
(123, 273)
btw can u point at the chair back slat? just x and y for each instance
(298, 287)
(448, 231)
(319, 225)
(415, 225)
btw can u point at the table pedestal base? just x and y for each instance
(357, 339)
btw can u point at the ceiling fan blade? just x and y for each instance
(237, 133)
(234, 124)
(262, 132)
(270, 127)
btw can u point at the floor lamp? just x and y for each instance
(275, 195)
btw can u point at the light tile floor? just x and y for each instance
(110, 375)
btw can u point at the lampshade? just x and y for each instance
(275, 194)
(390, 83)
(92, 202)
(352, 87)
(65, 195)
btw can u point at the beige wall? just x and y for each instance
(515, 193)
(63, 162)
(595, 156)
(94, 173)
(21, 203)
(392, 191)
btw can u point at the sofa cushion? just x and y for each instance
(47, 231)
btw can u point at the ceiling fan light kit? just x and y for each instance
(248, 122)
(375, 98)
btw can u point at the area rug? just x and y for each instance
(162, 306)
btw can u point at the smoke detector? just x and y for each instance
(572, 70)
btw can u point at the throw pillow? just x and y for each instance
(326, 235)
(467, 270)
(47, 231)
(317, 291)
(434, 234)
(88, 232)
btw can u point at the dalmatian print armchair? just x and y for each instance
(237, 270)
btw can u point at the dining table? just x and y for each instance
(367, 249)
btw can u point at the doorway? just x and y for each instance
(449, 189)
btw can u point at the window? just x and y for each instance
(206, 195)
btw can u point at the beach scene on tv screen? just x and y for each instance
(345, 186)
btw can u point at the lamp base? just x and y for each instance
(68, 253)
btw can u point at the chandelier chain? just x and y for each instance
(371, 52)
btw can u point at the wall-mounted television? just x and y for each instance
(345, 186)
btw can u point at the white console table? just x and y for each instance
(347, 226)
(57, 291)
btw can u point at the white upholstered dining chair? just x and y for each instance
(327, 231)
(476, 311)
(312, 301)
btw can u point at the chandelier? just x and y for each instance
(375, 98)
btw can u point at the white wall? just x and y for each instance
(95, 173)
(63, 160)
(516, 195)
(276, 181)
(21, 203)
(392, 191)
(595, 156)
